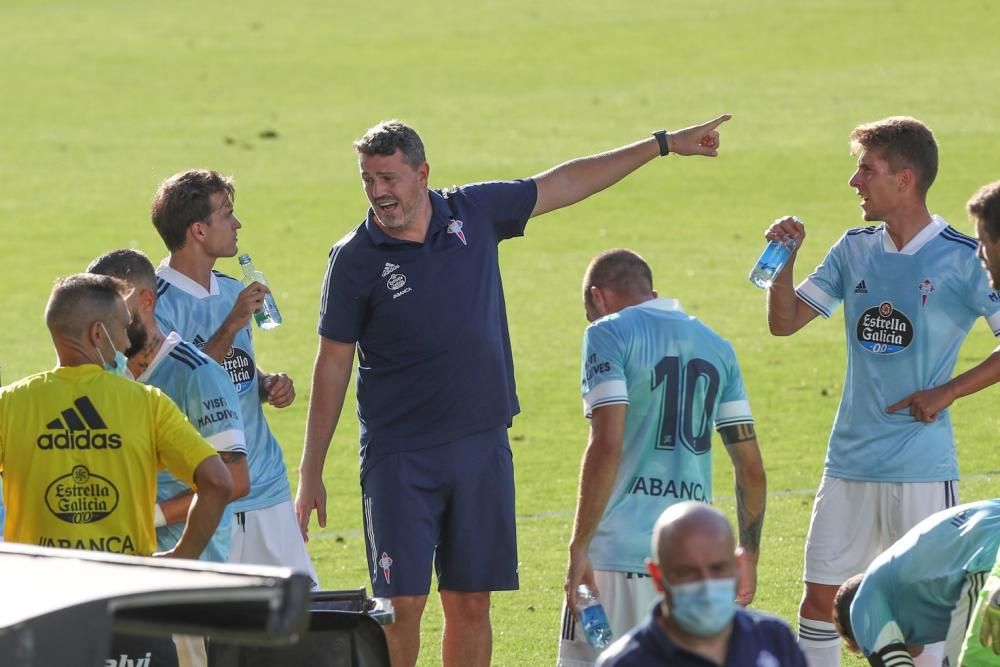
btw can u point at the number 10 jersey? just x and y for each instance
(678, 378)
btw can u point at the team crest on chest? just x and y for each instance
(926, 288)
(455, 227)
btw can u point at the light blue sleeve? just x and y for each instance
(213, 408)
(872, 617)
(982, 298)
(823, 290)
(734, 408)
(603, 369)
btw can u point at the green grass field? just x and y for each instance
(101, 100)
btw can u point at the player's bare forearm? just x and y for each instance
(985, 374)
(236, 464)
(214, 486)
(219, 343)
(598, 471)
(925, 405)
(751, 484)
(248, 301)
(175, 510)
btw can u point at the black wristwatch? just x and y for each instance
(661, 138)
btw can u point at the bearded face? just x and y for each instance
(138, 335)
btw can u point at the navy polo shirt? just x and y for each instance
(758, 640)
(429, 320)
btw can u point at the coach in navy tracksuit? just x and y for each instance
(416, 290)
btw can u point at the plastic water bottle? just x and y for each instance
(268, 317)
(593, 620)
(772, 261)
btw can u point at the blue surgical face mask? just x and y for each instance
(120, 366)
(705, 607)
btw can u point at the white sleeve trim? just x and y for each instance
(816, 298)
(733, 412)
(994, 322)
(612, 391)
(228, 441)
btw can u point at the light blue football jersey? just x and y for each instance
(203, 392)
(909, 591)
(906, 313)
(677, 377)
(186, 307)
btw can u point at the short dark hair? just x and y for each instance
(621, 270)
(903, 142)
(390, 135)
(80, 299)
(184, 199)
(985, 206)
(126, 264)
(842, 610)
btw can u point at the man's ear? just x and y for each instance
(195, 232)
(147, 299)
(600, 303)
(654, 572)
(907, 178)
(94, 333)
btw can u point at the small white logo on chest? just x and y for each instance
(455, 227)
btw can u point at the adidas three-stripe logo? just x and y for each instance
(187, 355)
(73, 419)
(80, 426)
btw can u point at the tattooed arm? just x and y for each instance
(751, 496)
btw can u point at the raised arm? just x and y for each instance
(577, 179)
(597, 477)
(751, 498)
(331, 374)
(249, 301)
(786, 313)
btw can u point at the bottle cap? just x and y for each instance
(244, 259)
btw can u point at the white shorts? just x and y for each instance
(854, 521)
(626, 597)
(271, 536)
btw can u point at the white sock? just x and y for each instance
(820, 642)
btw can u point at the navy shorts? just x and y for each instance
(450, 506)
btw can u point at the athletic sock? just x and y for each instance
(820, 642)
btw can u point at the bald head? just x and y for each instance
(684, 524)
(80, 300)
